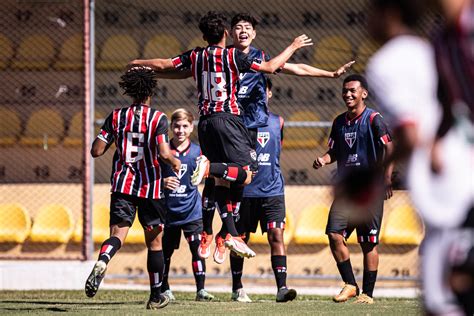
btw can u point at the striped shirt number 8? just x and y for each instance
(216, 86)
(134, 149)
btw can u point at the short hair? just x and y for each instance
(212, 26)
(410, 10)
(269, 84)
(243, 17)
(138, 83)
(357, 77)
(182, 114)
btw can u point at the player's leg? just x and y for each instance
(208, 208)
(122, 214)
(171, 239)
(337, 230)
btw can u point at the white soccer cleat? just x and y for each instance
(240, 296)
(239, 247)
(201, 171)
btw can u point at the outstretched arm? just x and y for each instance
(157, 64)
(307, 70)
(275, 63)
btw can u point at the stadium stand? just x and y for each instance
(74, 132)
(77, 234)
(100, 223)
(117, 51)
(6, 51)
(332, 51)
(402, 227)
(366, 49)
(302, 137)
(44, 128)
(54, 223)
(261, 239)
(35, 52)
(15, 223)
(311, 226)
(162, 46)
(197, 41)
(71, 54)
(11, 127)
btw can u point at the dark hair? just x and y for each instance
(410, 10)
(357, 77)
(212, 26)
(138, 83)
(269, 84)
(243, 17)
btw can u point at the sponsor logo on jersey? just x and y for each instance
(263, 138)
(182, 170)
(350, 138)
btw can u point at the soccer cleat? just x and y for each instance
(170, 295)
(364, 299)
(201, 171)
(239, 247)
(219, 252)
(285, 294)
(204, 249)
(94, 279)
(204, 296)
(347, 292)
(157, 304)
(240, 296)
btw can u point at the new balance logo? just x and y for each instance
(373, 232)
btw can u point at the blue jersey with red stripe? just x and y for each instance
(268, 181)
(358, 142)
(184, 203)
(137, 131)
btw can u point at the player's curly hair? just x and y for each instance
(138, 83)
(246, 17)
(212, 26)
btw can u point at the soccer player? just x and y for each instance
(140, 134)
(252, 97)
(223, 137)
(183, 203)
(359, 139)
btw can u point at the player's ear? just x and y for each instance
(365, 94)
(269, 94)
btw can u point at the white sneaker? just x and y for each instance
(201, 171)
(170, 295)
(239, 247)
(240, 296)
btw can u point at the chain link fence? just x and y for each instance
(42, 104)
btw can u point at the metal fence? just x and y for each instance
(42, 101)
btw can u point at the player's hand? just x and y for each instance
(171, 183)
(319, 163)
(176, 165)
(301, 41)
(343, 69)
(388, 188)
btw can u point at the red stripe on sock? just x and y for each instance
(232, 173)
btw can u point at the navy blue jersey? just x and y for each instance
(268, 181)
(252, 95)
(184, 203)
(358, 143)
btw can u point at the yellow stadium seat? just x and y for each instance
(44, 128)
(11, 127)
(117, 52)
(302, 137)
(136, 233)
(75, 133)
(15, 223)
(332, 52)
(365, 50)
(163, 46)
(6, 51)
(100, 223)
(71, 55)
(198, 41)
(77, 234)
(402, 227)
(311, 227)
(54, 223)
(35, 52)
(259, 238)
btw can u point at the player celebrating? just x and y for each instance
(358, 141)
(223, 137)
(183, 202)
(140, 134)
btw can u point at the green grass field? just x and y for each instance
(109, 302)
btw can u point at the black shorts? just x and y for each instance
(223, 137)
(172, 234)
(367, 222)
(151, 212)
(269, 211)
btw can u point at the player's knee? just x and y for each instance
(275, 236)
(335, 238)
(368, 247)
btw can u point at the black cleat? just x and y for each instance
(94, 279)
(284, 295)
(157, 304)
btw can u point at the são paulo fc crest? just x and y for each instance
(263, 138)
(182, 170)
(350, 138)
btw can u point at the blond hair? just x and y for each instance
(182, 114)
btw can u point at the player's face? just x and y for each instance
(181, 129)
(353, 94)
(243, 34)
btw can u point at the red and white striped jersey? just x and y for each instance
(137, 131)
(216, 73)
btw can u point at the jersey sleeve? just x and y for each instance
(162, 130)
(380, 129)
(106, 131)
(245, 63)
(183, 61)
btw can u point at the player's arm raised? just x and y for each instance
(157, 64)
(310, 71)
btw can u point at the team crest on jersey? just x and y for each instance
(182, 170)
(350, 138)
(263, 138)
